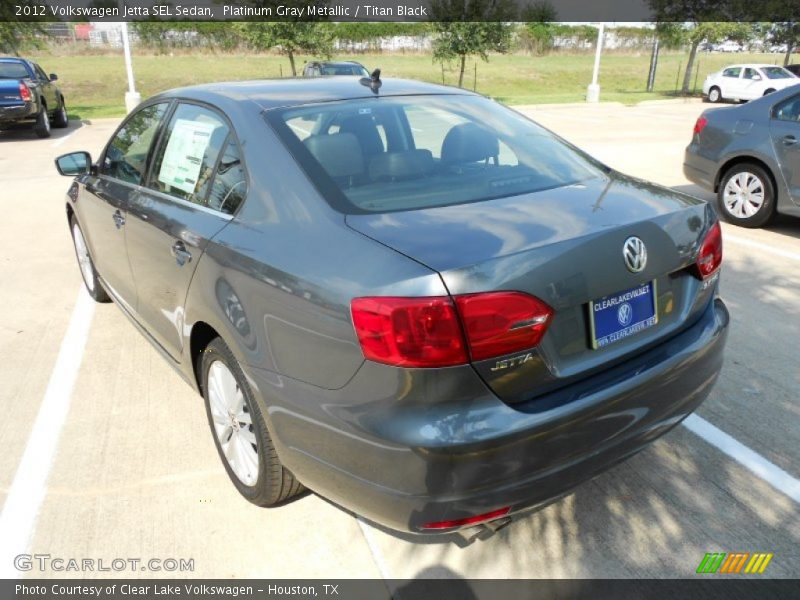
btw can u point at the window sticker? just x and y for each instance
(184, 154)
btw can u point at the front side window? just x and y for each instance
(402, 153)
(751, 74)
(185, 161)
(777, 73)
(126, 155)
(732, 72)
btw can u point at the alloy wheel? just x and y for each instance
(233, 423)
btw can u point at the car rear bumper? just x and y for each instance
(699, 169)
(441, 451)
(11, 114)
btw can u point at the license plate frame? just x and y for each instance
(641, 316)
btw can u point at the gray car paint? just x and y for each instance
(408, 446)
(748, 132)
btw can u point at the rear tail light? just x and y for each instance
(409, 332)
(709, 258)
(490, 516)
(498, 323)
(437, 332)
(700, 124)
(24, 92)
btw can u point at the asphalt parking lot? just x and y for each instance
(107, 453)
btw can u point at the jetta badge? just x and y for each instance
(635, 254)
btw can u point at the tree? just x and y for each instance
(538, 30)
(695, 33)
(290, 38)
(16, 35)
(470, 28)
(787, 33)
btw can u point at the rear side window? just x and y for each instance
(230, 184)
(788, 110)
(732, 72)
(126, 155)
(185, 161)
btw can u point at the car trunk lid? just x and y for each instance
(564, 246)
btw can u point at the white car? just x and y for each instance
(747, 82)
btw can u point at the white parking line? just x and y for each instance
(726, 237)
(27, 491)
(60, 141)
(754, 462)
(377, 556)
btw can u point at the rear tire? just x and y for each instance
(714, 95)
(746, 196)
(61, 119)
(42, 126)
(86, 264)
(240, 431)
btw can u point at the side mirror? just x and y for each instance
(74, 163)
(53, 77)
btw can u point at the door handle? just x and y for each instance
(119, 219)
(181, 254)
(789, 140)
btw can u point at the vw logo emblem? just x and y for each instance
(625, 314)
(635, 254)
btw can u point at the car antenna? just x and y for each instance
(373, 82)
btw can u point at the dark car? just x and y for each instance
(405, 297)
(793, 69)
(750, 156)
(30, 97)
(317, 68)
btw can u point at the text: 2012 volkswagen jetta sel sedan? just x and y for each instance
(407, 298)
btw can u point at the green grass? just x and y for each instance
(94, 85)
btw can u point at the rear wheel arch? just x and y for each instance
(201, 336)
(744, 159)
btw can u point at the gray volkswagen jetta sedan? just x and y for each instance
(405, 297)
(750, 156)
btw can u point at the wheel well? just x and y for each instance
(744, 159)
(201, 336)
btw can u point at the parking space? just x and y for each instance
(134, 472)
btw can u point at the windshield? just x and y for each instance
(13, 70)
(777, 73)
(409, 152)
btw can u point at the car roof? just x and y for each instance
(274, 93)
(751, 66)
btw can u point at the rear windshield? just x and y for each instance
(13, 70)
(777, 73)
(343, 70)
(410, 152)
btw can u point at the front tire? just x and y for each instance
(88, 272)
(746, 195)
(714, 95)
(240, 431)
(42, 126)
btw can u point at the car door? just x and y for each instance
(784, 128)
(105, 199)
(731, 82)
(48, 88)
(752, 84)
(172, 220)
